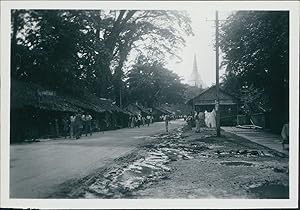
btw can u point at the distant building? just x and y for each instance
(195, 79)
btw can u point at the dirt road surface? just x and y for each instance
(37, 169)
(185, 164)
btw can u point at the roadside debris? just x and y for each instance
(155, 163)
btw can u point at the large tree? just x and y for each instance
(46, 46)
(256, 52)
(146, 32)
(150, 83)
(89, 48)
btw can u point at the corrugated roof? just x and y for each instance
(208, 95)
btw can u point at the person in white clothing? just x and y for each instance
(148, 119)
(88, 124)
(210, 118)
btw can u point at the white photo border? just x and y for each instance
(292, 202)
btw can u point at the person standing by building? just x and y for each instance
(197, 121)
(148, 119)
(129, 121)
(82, 124)
(139, 119)
(72, 126)
(133, 121)
(201, 117)
(56, 128)
(65, 124)
(88, 124)
(166, 119)
(78, 125)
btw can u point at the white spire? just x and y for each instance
(195, 79)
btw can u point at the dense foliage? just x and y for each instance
(256, 52)
(88, 50)
(150, 83)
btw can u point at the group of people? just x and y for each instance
(77, 125)
(201, 119)
(137, 121)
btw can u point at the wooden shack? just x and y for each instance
(206, 101)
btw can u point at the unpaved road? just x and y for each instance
(184, 164)
(37, 169)
(225, 167)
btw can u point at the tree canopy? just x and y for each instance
(76, 50)
(256, 54)
(150, 83)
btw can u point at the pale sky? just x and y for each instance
(200, 44)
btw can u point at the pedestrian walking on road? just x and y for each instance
(197, 121)
(166, 119)
(189, 121)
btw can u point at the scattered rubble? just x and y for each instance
(155, 164)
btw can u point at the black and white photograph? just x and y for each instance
(133, 101)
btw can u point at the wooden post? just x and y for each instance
(217, 78)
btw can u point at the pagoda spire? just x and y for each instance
(195, 68)
(195, 78)
(195, 73)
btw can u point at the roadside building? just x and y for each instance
(37, 112)
(157, 112)
(205, 101)
(137, 109)
(112, 117)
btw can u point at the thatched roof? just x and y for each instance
(102, 104)
(31, 95)
(28, 95)
(136, 109)
(160, 111)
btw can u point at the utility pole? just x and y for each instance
(217, 78)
